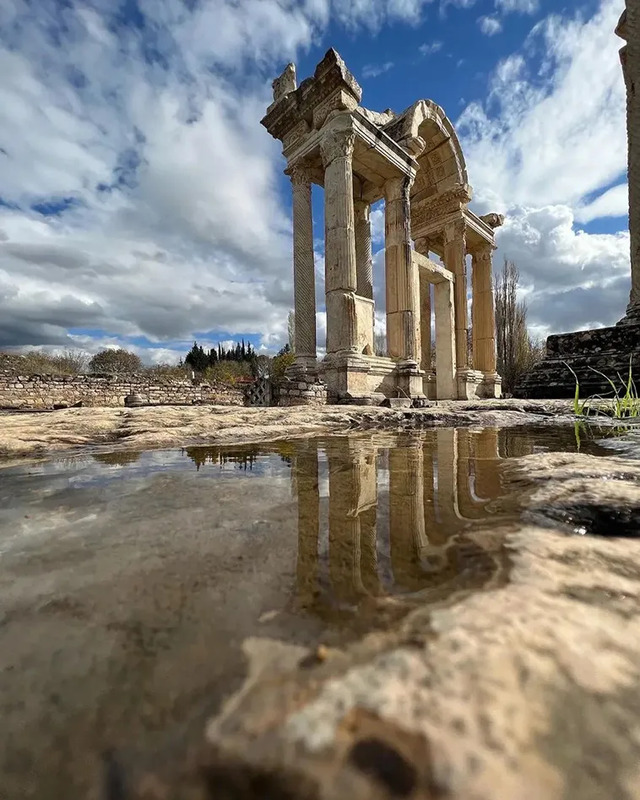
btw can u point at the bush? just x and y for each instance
(280, 363)
(115, 362)
(230, 372)
(36, 362)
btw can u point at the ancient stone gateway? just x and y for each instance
(414, 162)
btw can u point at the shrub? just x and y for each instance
(116, 362)
(36, 362)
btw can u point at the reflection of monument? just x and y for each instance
(408, 535)
(606, 349)
(414, 162)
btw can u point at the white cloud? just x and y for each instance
(373, 70)
(430, 48)
(547, 140)
(489, 25)
(612, 203)
(519, 6)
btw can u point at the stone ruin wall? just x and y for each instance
(49, 391)
(300, 392)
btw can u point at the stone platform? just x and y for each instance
(608, 350)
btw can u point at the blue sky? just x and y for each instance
(143, 205)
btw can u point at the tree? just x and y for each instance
(196, 358)
(116, 362)
(516, 351)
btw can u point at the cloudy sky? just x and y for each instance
(143, 205)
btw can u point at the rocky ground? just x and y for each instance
(526, 692)
(34, 434)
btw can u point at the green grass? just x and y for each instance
(624, 403)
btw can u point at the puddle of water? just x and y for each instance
(130, 580)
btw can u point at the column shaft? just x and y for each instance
(484, 319)
(455, 261)
(303, 265)
(364, 257)
(425, 309)
(629, 29)
(340, 247)
(402, 283)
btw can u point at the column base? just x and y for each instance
(303, 366)
(468, 383)
(491, 386)
(429, 387)
(410, 379)
(632, 317)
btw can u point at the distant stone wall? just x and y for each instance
(588, 353)
(300, 392)
(57, 391)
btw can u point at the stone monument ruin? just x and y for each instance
(414, 162)
(604, 350)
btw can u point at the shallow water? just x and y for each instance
(130, 580)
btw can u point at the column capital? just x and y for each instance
(455, 230)
(399, 187)
(362, 209)
(483, 251)
(299, 175)
(423, 245)
(336, 144)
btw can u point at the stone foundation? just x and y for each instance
(300, 392)
(58, 391)
(608, 350)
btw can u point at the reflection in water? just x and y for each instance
(405, 515)
(117, 458)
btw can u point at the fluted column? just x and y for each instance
(629, 29)
(402, 284)
(422, 246)
(340, 247)
(455, 261)
(364, 257)
(304, 286)
(483, 314)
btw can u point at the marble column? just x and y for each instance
(340, 247)
(483, 314)
(364, 257)
(629, 30)
(304, 285)
(422, 246)
(402, 284)
(455, 261)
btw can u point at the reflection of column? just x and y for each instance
(364, 257)
(406, 516)
(483, 315)
(428, 458)
(629, 29)
(468, 506)
(340, 247)
(402, 287)
(352, 502)
(446, 496)
(488, 485)
(303, 266)
(306, 479)
(455, 261)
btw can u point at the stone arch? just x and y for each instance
(428, 134)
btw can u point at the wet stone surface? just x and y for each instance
(139, 590)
